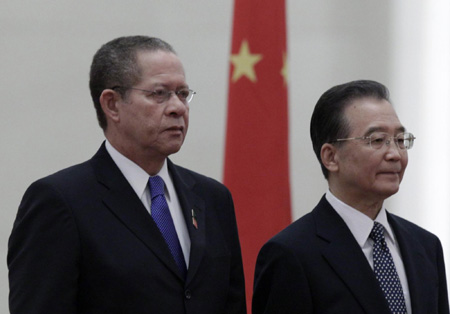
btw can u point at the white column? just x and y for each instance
(420, 91)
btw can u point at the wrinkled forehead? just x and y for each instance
(161, 67)
(368, 115)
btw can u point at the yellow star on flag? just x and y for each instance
(244, 63)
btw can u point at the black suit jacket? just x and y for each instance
(316, 266)
(83, 242)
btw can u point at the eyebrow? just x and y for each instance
(371, 130)
(167, 85)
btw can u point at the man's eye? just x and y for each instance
(160, 93)
(378, 139)
(183, 94)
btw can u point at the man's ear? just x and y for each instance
(108, 100)
(329, 157)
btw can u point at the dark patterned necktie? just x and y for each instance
(385, 272)
(163, 219)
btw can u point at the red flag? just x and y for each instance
(256, 157)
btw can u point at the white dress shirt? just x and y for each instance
(360, 226)
(138, 179)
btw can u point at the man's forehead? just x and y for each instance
(385, 129)
(160, 65)
(372, 115)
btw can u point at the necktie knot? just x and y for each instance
(377, 233)
(156, 185)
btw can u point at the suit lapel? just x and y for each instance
(416, 266)
(122, 201)
(191, 204)
(347, 259)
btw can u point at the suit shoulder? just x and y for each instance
(411, 228)
(298, 234)
(200, 179)
(67, 174)
(70, 178)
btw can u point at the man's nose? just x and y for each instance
(175, 105)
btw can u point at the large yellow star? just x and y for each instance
(244, 63)
(284, 71)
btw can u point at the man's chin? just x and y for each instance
(391, 190)
(173, 149)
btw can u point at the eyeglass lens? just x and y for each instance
(403, 141)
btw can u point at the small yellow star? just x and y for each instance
(244, 63)
(284, 71)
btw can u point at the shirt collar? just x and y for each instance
(359, 224)
(135, 175)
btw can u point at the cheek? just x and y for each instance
(366, 167)
(404, 164)
(186, 121)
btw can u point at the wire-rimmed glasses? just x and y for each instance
(161, 95)
(378, 139)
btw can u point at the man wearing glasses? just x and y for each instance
(350, 255)
(128, 231)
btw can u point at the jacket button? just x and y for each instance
(188, 294)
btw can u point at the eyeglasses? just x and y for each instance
(161, 95)
(378, 139)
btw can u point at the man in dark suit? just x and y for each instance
(349, 255)
(89, 239)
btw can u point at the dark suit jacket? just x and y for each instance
(316, 266)
(83, 242)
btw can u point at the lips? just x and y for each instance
(176, 128)
(389, 173)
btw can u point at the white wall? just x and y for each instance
(48, 121)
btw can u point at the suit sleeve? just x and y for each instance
(443, 293)
(236, 303)
(280, 285)
(43, 254)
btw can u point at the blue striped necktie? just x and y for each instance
(161, 215)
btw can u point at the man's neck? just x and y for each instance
(365, 205)
(147, 160)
